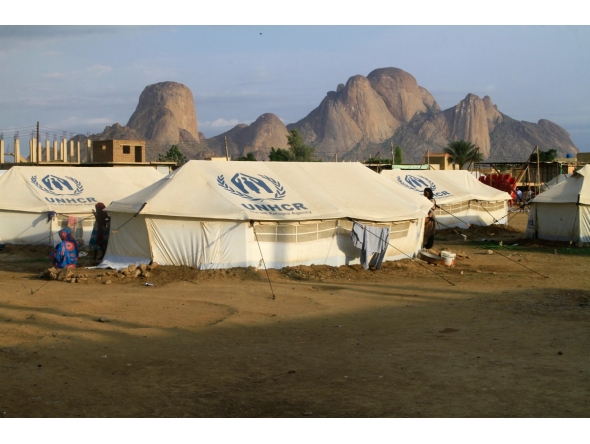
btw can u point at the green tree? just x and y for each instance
(298, 151)
(280, 155)
(544, 156)
(301, 152)
(172, 155)
(377, 160)
(397, 158)
(462, 152)
(248, 158)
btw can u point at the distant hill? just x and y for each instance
(362, 118)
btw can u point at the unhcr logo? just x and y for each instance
(417, 183)
(58, 186)
(255, 189)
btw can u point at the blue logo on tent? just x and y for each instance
(417, 183)
(253, 188)
(58, 185)
(530, 222)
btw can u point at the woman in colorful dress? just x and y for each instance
(65, 254)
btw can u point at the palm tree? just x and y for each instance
(462, 152)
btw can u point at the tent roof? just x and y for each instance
(275, 191)
(575, 188)
(557, 179)
(448, 186)
(70, 189)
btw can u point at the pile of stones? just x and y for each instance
(75, 275)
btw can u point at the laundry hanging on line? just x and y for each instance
(373, 243)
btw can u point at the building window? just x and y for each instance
(104, 147)
(126, 149)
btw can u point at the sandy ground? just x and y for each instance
(503, 333)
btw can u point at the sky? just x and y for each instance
(80, 78)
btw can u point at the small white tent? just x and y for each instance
(236, 214)
(461, 197)
(29, 195)
(562, 213)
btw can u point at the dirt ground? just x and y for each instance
(503, 333)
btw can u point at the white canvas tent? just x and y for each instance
(556, 180)
(461, 197)
(236, 214)
(29, 193)
(562, 213)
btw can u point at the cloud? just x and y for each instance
(60, 75)
(24, 34)
(96, 70)
(99, 69)
(220, 123)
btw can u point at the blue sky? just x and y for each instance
(81, 78)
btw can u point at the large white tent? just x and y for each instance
(236, 214)
(461, 197)
(29, 195)
(562, 213)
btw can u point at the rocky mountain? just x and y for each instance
(368, 116)
(164, 116)
(365, 110)
(166, 112)
(365, 117)
(258, 138)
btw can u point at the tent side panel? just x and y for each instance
(530, 231)
(338, 250)
(201, 244)
(557, 222)
(472, 213)
(27, 228)
(584, 223)
(227, 244)
(128, 242)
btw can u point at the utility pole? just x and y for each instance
(538, 184)
(392, 158)
(226, 151)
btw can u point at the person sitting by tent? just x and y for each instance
(100, 231)
(430, 221)
(65, 254)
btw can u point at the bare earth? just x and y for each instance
(485, 338)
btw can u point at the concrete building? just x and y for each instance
(118, 151)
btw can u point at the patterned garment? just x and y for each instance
(65, 254)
